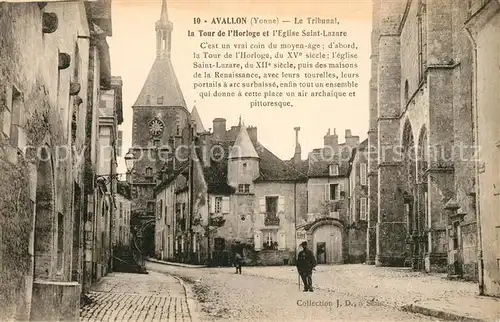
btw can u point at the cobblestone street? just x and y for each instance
(225, 295)
(137, 297)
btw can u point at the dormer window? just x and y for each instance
(334, 169)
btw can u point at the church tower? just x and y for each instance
(160, 123)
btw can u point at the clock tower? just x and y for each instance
(160, 120)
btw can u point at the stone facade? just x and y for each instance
(121, 234)
(421, 125)
(328, 227)
(484, 28)
(48, 90)
(160, 123)
(109, 108)
(358, 204)
(250, 203)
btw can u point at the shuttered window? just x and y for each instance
(363, 211)
(281, 204)
(281, 240)
(225, 205)
(362, 173)
(257, 240)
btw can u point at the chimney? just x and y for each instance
(252, 132)
(331, 141)
(351, 140)
(219, 133)
(298, 151)
(206, 145)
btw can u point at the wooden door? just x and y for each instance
(329, 237)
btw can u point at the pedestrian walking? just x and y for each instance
(238, 261)
(305, 265)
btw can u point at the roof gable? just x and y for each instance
(243, 146)
(197, 120)
(161, 87)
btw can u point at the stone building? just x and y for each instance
(421, 181)
(160, 120)
(327, 226)
(121, 233)
(110, 117)
(250, 204)
(482, 22)
(358, 204)
(46, 92)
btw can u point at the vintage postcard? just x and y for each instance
(245, 160)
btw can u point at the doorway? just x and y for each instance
(321, 252)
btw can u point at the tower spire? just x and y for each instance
(164, 11)
(163, 33)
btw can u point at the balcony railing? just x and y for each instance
(271, 220)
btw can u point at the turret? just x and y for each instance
(243, 161)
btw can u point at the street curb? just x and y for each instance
(174, 264)
(190, 300)
(415, 308)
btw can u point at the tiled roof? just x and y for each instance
(216, 173)
(161, 87)
(363, 145)
(197, 120)
(302, 166)
(319, 164)
(273, 168)
(243, 147)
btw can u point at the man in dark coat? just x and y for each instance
(238, 261)
(305, 265)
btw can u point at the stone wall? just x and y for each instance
(29, 97)
(484, 28)
(357, 245)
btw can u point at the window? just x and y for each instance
(270, 240)
(406, 92)
(120, 209)
(151, 206)
(178, 129)
(244, 188)
(271, 206)
(363, 211)
(334, 170)
(159, 100)
(60, 243)
(156, 143)
(119, 140)
(422, 39)
(160, 208)
(362, 173)
(334, 188)
(218, 205)
(149, 172)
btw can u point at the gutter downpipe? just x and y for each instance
(295, 219)
(476, 170)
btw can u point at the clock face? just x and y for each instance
(156, 127)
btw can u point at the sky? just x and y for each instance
(133, 50)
